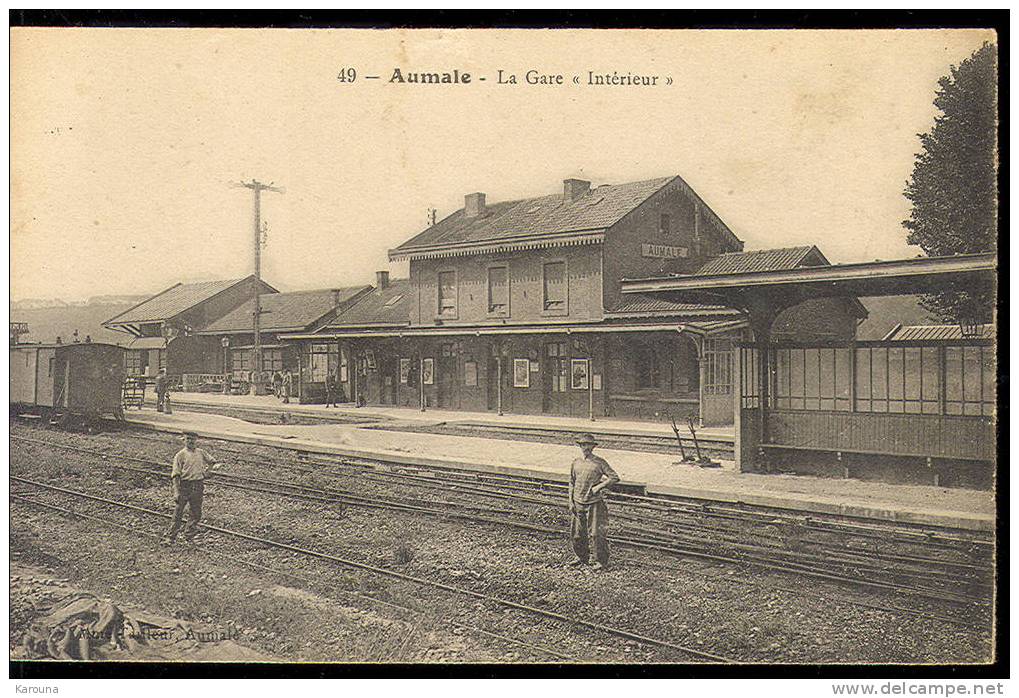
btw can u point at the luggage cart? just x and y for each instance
(133, 392)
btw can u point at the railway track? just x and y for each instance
(962, 579)
(72, 509)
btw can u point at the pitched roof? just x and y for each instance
(284, 311)
(907, 333)
(763, 260)
(600, 208)
(173, 301)
(387, 306)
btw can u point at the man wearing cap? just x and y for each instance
(590, 477)
(187, 479)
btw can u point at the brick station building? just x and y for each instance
(516, 307)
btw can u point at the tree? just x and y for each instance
(954, 182)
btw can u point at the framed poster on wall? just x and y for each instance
(470, 373)
(579, 374)
(521, 373)
(427, 371)
(404, 370)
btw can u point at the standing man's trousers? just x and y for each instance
(190, 496)
(590, 529)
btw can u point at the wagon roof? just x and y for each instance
(64, 345)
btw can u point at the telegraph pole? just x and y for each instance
(257, 188)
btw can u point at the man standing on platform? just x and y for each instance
(187, 480)
(288, 384)
(161, 390)
(331, 390)
(590, 477)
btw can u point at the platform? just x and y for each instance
(658, 473)
(431, 416)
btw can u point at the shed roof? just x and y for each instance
(912, 333)
(283, 312)
(174, 301)
(653, 305)
(389, 306)
(763, 260)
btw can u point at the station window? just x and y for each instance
(498, 291)
(447, 293)
(133, 362)
(647, 368)
(718, 367)
(554, 285)
(664, 225)
(240, 360)
(321, 360)
(272, 359)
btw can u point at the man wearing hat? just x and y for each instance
(187, 479)
(590, 477)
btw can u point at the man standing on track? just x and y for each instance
(187, 479)
(590, 477)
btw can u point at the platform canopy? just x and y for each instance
(787, 287)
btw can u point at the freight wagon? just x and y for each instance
(69, 383)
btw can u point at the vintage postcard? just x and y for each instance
(504, 346)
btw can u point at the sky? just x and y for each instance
(125, 143)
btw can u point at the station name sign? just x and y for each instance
(662, 251)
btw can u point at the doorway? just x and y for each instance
(555, 379)
(492, 383)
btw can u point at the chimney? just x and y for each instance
(336, 297)
(382, 277)
(573, 189)
(474, 205)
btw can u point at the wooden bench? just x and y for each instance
(927, 458)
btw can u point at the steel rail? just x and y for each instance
(303, 580)
(663, 542)
(926, 537)
(382, 571)
(669, 544)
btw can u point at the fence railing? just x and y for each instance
(193, 382)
